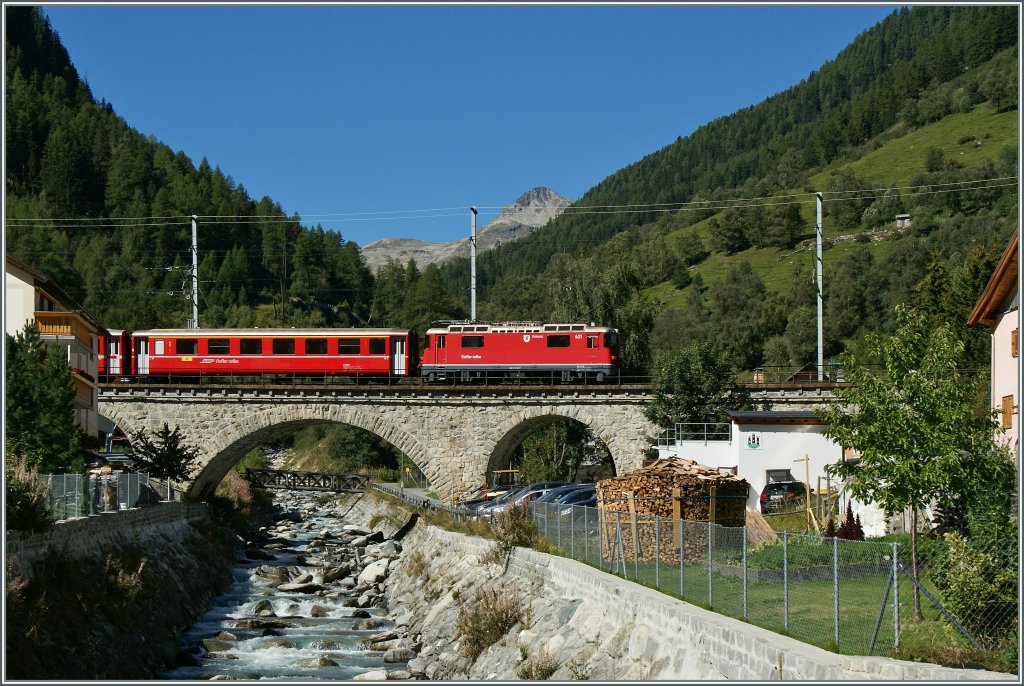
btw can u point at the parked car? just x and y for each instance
(782, 495)
(555, 493)
(528, 494)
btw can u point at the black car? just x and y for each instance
(782, 495)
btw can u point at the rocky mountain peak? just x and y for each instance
(530, 211)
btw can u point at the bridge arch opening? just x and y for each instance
(319, 444)
(551, 447)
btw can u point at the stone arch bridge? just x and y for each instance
(454, 435)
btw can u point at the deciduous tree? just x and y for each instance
(912, 423)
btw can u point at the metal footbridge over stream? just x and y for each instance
(307, 481)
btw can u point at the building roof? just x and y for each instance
(775, 417)
(1004, 280)
(47, 284)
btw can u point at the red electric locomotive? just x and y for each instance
(294, 352)
(472, 350)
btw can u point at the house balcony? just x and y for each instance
(65, 325)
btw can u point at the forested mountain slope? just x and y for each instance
(701, 239)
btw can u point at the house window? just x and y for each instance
(1007, 412)
(316, 346)
(1013, 343)
(217, 346)
(250, 346)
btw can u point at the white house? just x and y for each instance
(30, 296)
(998, 310)
(765, 446)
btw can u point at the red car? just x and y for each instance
(471, 350)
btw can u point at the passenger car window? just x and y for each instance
(316, 346)
(187, 346)
(377, 346)
(218, 346)
(348, 346)
(284, 346)
(250, 346)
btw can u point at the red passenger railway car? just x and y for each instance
(115, 356)
(566, 352)
(296, 352)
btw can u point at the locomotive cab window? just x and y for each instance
(472, 341)
(611, 340)
(316, 346)
(284, 346)
(592, 340)
(378, 346)
(250, 346)
(348, 346)
(560, 341)
(187, 346)
(217, 346)
(440, 341)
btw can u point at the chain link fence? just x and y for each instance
(847, 596)
(852, 597)
(81, 495)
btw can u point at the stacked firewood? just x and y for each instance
(669, 491)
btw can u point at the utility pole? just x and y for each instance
(194, 322)
(472, 267)
(817, 271)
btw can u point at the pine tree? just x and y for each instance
(40, 422)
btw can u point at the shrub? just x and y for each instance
(978, 581)
(238, 505)
(25, 498)
(486, 618)
(514, 526)
(540, 669)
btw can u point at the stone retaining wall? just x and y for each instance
(598, 626)
(91, 536)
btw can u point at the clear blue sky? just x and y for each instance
(376, 114)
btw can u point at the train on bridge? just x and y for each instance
(452, 351)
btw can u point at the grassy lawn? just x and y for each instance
(805, 608)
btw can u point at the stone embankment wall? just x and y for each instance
(91, 536)
(585, 624)
(108, 597)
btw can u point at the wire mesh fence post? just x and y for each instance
(682, 556)
(744, 574)
(835, 587)
(895, 596)
(709, 563)
(785, 580)
(657, 552)
(572, 532)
